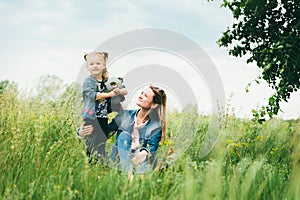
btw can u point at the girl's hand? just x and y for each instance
(117, 91)
(114, 92)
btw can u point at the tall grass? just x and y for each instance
(41, 158)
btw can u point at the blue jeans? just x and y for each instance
(124, 147)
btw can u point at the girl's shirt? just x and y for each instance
(102, 104)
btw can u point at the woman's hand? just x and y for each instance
(139, 158)
(85, 130)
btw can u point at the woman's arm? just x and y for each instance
(152, 144)
(149, 147)
(112, 126)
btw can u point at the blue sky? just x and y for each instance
(41, 37)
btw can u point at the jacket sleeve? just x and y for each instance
(151, 144)
(78, 135)
(112, 126)
(115, 124)
(88, 90)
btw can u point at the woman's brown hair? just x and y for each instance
(160, 98)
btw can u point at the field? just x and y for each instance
(41, 158)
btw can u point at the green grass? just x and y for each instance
(40, 158)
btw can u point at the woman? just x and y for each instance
(139, 131)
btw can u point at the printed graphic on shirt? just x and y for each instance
(102, 108)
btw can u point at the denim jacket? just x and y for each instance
(89, 92)
(149, 135)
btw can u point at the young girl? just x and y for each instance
(97, 102)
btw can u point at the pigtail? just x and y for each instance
(105, 55)
(105, 72)
(85, 55)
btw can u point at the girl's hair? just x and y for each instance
(103, 55)
(160, 98)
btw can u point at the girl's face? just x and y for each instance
(145, 99)
(95, 64)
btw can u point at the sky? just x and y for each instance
(40, 37)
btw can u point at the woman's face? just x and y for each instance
(145, 99)
(95, 64)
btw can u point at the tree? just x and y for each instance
(49, 87)
(8, 86)
(267, 33)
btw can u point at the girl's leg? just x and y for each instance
(124, 146)
(102, 136)
(90, 139)
(95, 142)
